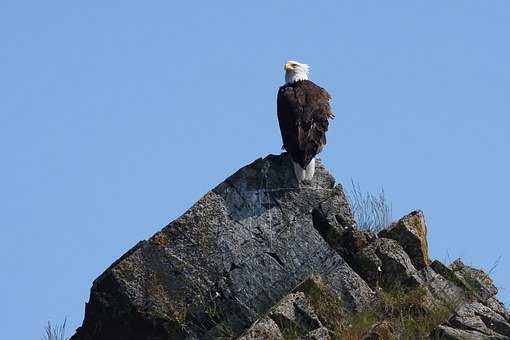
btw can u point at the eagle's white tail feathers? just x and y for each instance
(310, 170)
(299, 172)
(304, 174)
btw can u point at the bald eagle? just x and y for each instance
(303, 113)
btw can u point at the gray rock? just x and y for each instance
(369, 266)
(385, 261)
(465, 318)
(440, 291)
(321, 333)
(481, 318)
(264, 329)
(447, 273)
(295, 314)
(227, 260)
(498, 307)
(477, 316)
(380, 262)
(449, 333)
(411, 233)
(475, 280)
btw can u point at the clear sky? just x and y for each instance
(115, 118)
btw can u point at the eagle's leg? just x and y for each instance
(310, 170)
(299, 172)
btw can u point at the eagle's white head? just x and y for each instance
(295, 71)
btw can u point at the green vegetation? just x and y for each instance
(402, 314)
(291, 332)
(325, 303)
(356, 326)
(332, 314)
(410, 313)
(209, 315)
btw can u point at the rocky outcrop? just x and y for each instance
(213, 271)
(261, 257)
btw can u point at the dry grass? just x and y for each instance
(55, 332)
(371, 211)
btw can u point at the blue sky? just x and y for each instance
(115, 118)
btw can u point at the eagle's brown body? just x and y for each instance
(303, 113)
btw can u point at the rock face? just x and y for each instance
(232, 256)
(261, 257)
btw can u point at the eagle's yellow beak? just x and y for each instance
(288, 66)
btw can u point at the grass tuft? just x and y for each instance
(409, 313)
(55, 332)
(371, 211)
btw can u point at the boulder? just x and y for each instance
(450, 333)
(447, 273)
(295, 314)
(385, 263)
(440, 292)
(321, 333)
(411, 233)
(264, 328)
(476, 316)
(476, 281)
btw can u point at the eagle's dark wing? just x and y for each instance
(303, 112)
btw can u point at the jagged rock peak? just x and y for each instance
(213, 271)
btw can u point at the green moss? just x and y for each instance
(420, 327)
(332, 314)
(326, 304)
(398, 300)
(403, 313)
(356, 326)
(411, 314)
(291, 332)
